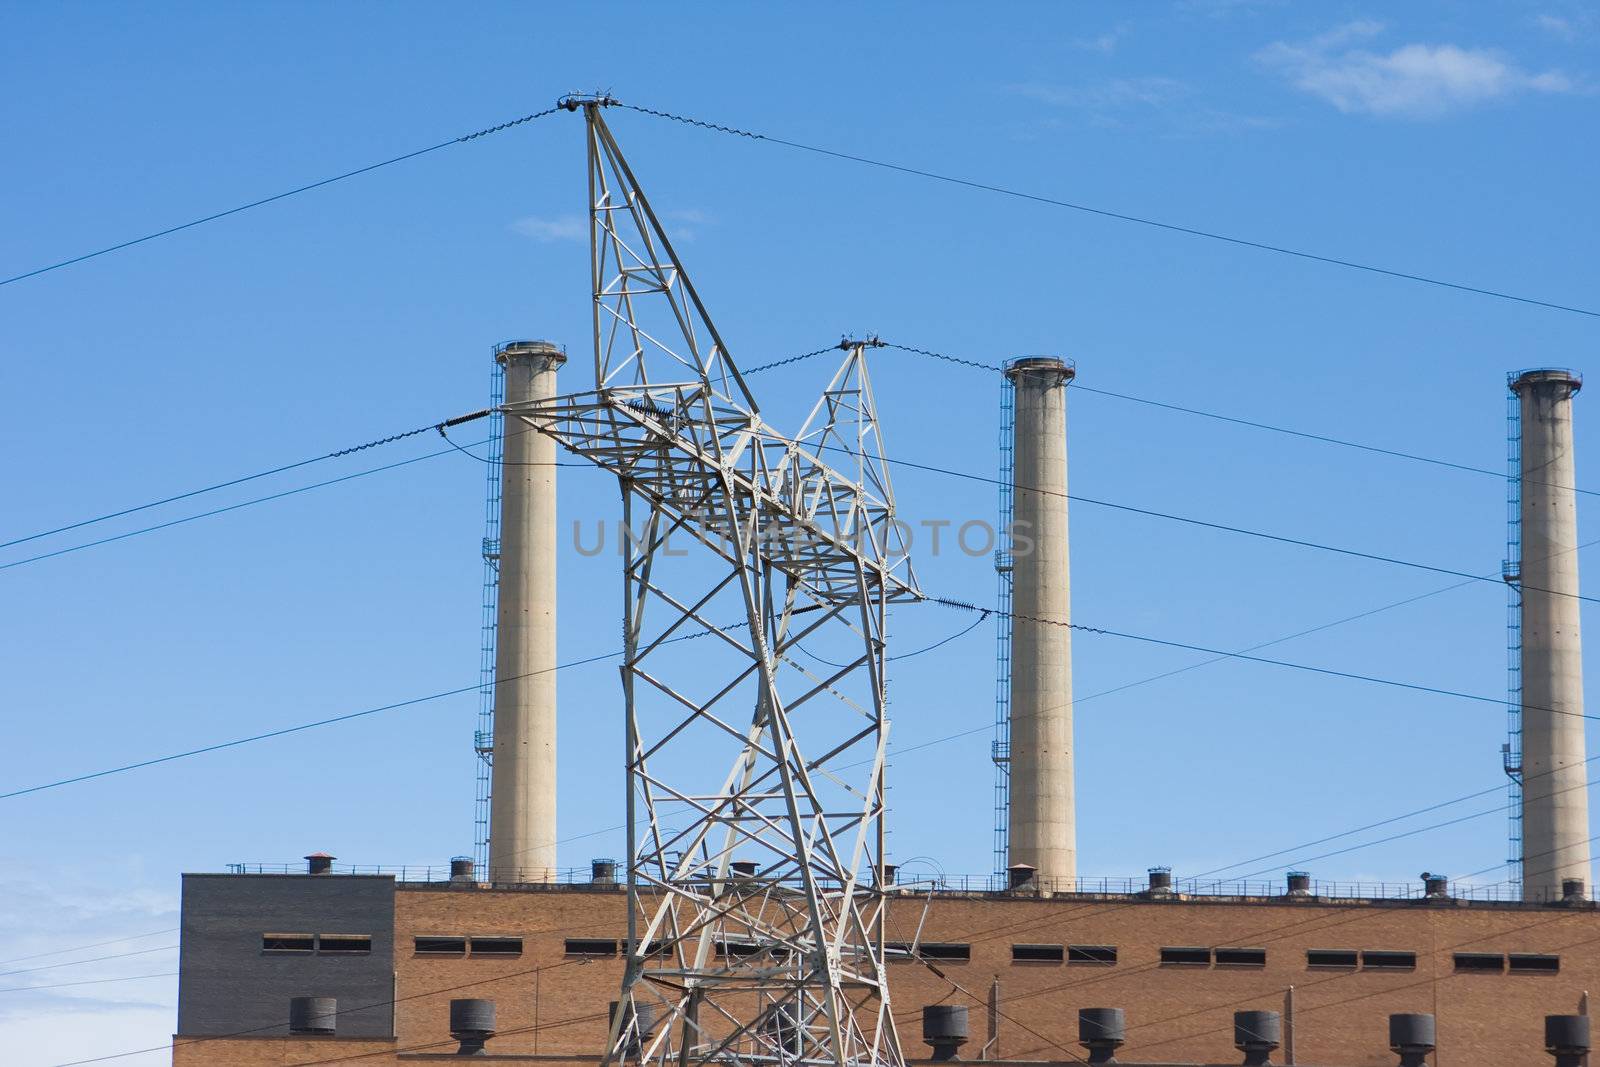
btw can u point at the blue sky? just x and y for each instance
(1440, 139)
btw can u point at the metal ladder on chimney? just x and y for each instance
(483, 736)
(1511, 571)
(1000, 748)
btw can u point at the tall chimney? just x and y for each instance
(1555, 802)
(522, 807)
(1043, 830)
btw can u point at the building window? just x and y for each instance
(347, 944)
(288, 942)
(897, 951)
(740, 949)
(1374, 960)
(1241, 957)
(441, 946)
(1532, 963)
(497, 946)
(1038, 953)
(1186, 957)
(591, 946)
(1332, 957)
(1102, 954)
(951, 953)
(1480, 962)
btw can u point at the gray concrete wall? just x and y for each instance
(522, 807)
(1043, 830)
(1555, 820)
(228, 985)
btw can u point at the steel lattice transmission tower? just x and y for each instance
(755, 780)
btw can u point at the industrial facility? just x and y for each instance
(758, 917)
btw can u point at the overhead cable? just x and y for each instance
(1190, 231)
(192, 223)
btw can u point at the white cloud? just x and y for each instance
(1559, 25)
(1152, 100)
(1114, 95)
(1104, 43)
(1576, 25)
(560, 228)
(682, 225)
(1412, 81)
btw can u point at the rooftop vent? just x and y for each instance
(1435, 886)
(472, 1024)
(1160, 882)
(1020, 875)
(944, 1028)
(319, 863)
(1572, 892)
(1412, 1036)
(603, 872)
(1299, 884)
(1566, 1037)
(1257, 1034)
(890, 872)
(743, 868)
(316, 1015)
(1102, 1031)
(461, 870)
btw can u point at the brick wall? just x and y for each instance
(553, 1005)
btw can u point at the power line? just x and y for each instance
(231, 507)
(91, 981)
(278, 196)
(1220, 527)
(84, 948)
(1330, 672)
(1190, 231)
(236, 742)
(338, 1011)
(96, 959)
(220, 485)
(1079, 387)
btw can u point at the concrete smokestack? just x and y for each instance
(522, 807)
(1043, 830)
(1555, 804)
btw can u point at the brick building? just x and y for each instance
(395, 953)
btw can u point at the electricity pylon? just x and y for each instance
(755, 770)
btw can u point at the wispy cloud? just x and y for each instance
(681, 225)
(1105, 43)
(557, 228)
(1576, 25)
(1118, 102)
(1415, 81)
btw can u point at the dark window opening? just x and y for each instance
(897, 951)
(1092, 954)
(738, 949)
(1241, 957)
(1038, 954)
(288, 942)
(656, 948)
(1186, 957)
(1388, 961)
(348, 943)
(1531, 963)
(1331, 957)
(1488, 962)
(497, 946)
(441, 946)
(591, 946)
(951, 952)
